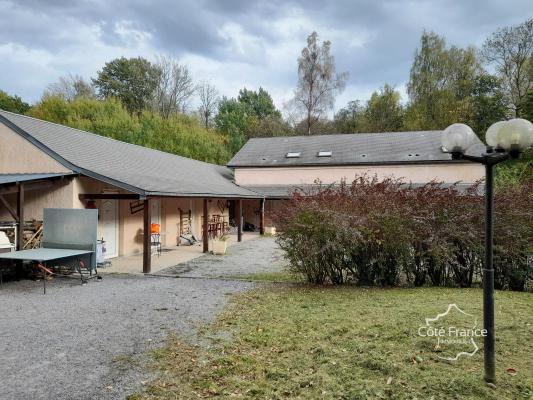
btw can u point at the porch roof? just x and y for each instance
(137, 169)
(8, 179)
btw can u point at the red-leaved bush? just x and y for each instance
(388, 233)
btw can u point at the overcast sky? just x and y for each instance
(236, 43)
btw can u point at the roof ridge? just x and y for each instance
(342, 134)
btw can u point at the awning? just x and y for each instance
(9, 179)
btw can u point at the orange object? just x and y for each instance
(155, 228)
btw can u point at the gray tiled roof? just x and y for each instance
(135, 168)
(14, 178)
(347, 149)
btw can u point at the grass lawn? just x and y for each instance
(300, 342)
(278, 276)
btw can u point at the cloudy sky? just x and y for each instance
(235, 43)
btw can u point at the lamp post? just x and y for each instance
(505, 140)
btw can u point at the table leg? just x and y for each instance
(44, 279)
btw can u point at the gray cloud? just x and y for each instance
(235, 43)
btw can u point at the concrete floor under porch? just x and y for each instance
(170, 256)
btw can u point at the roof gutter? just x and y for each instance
(370, 163)
(255, 195)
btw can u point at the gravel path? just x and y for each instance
(254, 256)
(85, 342)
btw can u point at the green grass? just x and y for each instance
(303, 342)
(280, 276)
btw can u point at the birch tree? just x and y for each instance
(318, 81)
(209, 98)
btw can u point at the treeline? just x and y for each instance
(158, 104)
(178, 133)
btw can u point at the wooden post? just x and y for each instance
(262, 216)
(147, 237)
(239, 220)
(205, 233)
(20, 214)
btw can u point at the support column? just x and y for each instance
(262, 216)
(205, 233)
(239, 220)
(147, 237)
(20, 214)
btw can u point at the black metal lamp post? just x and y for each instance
(505, 140)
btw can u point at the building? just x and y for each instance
(274, 167)
(43, 164)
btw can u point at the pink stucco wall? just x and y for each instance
(418, 173)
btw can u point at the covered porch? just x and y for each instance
(204, 218)
(170, 256)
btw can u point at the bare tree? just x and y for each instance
(510, 49)
(175, 87)
(70, 87)
(209, 99)
(318, 82)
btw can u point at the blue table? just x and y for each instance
(43, 255)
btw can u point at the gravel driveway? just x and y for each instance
(88, 342)
(84, 342)
(246, 258)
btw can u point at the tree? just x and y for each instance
(70, 87)
(488, 102)
(232, 120)
(440, 84)
(209, 99)
(384, 113)
(318, 82)
(510, 49)
(269, 126)
(175, 87)
(251, 114)
(13, 103)
(259, 103)
(527, 106)
(350, 119)
(133, 81)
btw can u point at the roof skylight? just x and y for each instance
(325, 153)
(293, 154)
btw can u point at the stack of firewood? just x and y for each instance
(32, 234)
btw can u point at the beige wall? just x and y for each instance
(250, 211)
(131, 225)
(418, 173)
(17, 155)
(59, 195)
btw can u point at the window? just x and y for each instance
(325, 153)
(293, 154)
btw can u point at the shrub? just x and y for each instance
(387, 233)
